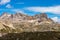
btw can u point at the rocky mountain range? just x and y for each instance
(16, 23)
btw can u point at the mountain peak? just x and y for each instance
(5, 15)
(41, 16)
(44, 15)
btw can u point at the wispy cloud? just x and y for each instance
(52, 9)
(18, 11)
(8, 6)
(56, 19)
(4, 2)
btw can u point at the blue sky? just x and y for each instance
(32, 7)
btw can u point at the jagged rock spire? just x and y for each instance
(43, 15)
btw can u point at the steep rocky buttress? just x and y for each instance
(23, 23)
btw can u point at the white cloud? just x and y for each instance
(56, 19)
(52, 9)
(8, 6)
(4, 1)
(18, 11)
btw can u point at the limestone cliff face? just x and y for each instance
(1, 26)
(20, 22)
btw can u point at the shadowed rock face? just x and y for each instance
(32, 36)
(42, 15)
